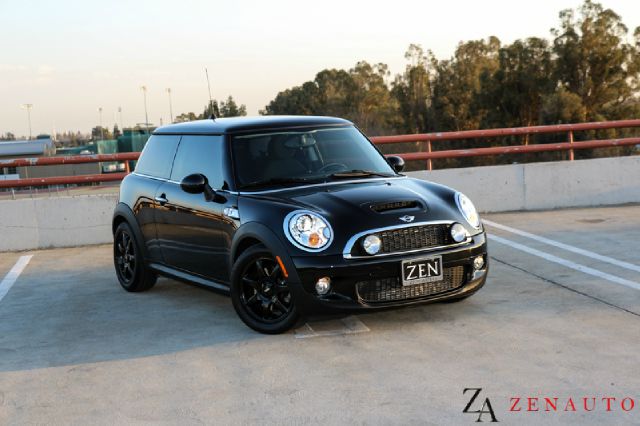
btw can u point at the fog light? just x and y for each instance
(478, 262)
(323, 285)
(371, 244)
(458, 233)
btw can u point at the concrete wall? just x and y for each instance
(537, 186)
(86, 219)
(56, 222)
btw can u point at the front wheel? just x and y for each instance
(260, 293)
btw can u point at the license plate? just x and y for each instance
(420, 271)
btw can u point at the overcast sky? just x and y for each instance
(70, 57)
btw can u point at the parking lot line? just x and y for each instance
(13, 275)
(564, 246)
(565, 262)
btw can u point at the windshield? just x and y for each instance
(279, 158)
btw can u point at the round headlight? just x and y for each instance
(458, 233)
(468, 210)
(307, 230)
(371, 244)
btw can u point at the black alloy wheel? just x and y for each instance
(260, 292)
(132, 274)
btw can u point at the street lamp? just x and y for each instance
(146, 115)
(28, 108)
(168, 89)
(101, 129)
(120, 117)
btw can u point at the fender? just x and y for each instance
(124, 211)
(267, 237)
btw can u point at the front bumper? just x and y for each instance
(345, 273)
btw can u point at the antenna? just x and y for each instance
(212, 116)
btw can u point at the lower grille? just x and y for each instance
(391, 289)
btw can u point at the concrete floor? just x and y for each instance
(75, 348)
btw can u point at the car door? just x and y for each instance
(194, 233)
(153, 168)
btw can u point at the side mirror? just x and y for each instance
(396, 163)
(198, 184)
(194, 184)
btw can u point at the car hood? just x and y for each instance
(357, 206)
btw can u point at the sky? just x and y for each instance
(69, 58)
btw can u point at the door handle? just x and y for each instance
(162, 199)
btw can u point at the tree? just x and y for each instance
(513, 94)
(594, 61)
(457, 84)
(229, 108)
(100, 133)
(360, 94)
(412, 90)
(8, 137)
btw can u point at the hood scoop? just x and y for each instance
(394, 206)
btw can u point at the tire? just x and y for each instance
(133, 274)
(260, 294)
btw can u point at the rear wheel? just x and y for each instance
(132, 273)
(260, 292)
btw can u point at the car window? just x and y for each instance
(314, 154)
(157, 156)
(200, 154)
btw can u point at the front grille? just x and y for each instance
(391, 289)
(415, 237)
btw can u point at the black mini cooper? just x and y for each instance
(292, 216)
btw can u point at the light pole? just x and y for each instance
(121, 125)
(146, 115)
(28, 108)
(101, 129)
(170, 107)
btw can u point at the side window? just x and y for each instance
(157, 156)
(200, 154)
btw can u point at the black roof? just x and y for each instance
(246, 124)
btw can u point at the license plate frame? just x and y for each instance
(431, 271)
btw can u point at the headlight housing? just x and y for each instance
(307, 230)
(468, 210)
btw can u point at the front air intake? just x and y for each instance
(395, 205)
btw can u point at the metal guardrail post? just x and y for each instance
(571, 142)
(429, 163)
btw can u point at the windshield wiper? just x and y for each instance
(277, 181)
(358, 173)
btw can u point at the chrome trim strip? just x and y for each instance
(178, 183)
(312, 185)
(346, 253)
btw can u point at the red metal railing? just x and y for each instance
(569, 146)
(427, 138)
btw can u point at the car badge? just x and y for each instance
(407, 218)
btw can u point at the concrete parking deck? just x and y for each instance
(559, 317)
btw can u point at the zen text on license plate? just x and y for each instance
(420, 271)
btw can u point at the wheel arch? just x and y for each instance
(124, 214)
(253, 233)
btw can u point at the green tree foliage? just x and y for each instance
(457, 88)
(512, 94)
(412, 89)
(595, 61)
(227, 108)
(360, 94)
(588, 71)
